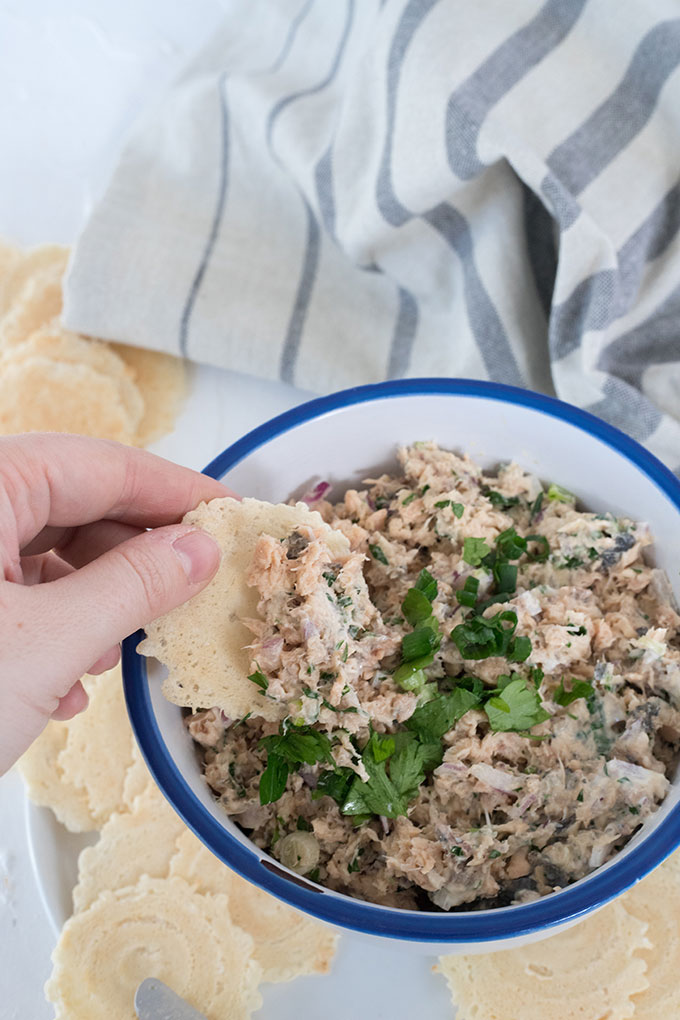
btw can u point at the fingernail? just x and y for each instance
(199, 555)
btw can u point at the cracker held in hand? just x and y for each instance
(158, 928)
(204, 643)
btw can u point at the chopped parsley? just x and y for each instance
(409, 499)
(481, 637)
(378, 554)
(578, 631)
(260, 679)
(536, 506)
(291, 746)
(516, 707)
(498, 500)
(474, 551)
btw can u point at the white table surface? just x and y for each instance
(73, 76)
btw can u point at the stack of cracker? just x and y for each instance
(52, 380)
(151, 901)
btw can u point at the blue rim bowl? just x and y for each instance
(484, 926)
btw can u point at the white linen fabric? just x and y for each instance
(341, 191)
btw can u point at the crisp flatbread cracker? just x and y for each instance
(656, 901)
(98, 750)
(58, 344)
(162, 381)
(592, 970)
(130, 845)
(44, 395)
(46, 784)
(158, 928)
(204, 643)
(287, 943)
(78, 767)
(18, 267)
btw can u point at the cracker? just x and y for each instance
(18, 267)
(61, 345)
(46, 784)
(130, 845)
(98, 750)
(138, 779)
(656, 901)
(590, 970)
(203, 643)
(78, 768)
(159, 928)
(37, 301)
(287, 943)
(162, 381)
(41, 394)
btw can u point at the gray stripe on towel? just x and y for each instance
(470, 103)
(195, 286)
(611, 127)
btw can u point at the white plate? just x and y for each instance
(366, 979)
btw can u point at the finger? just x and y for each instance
(77, 618)
(79, 546)
(40, 569)
(106, 661)
(75, 701)
(63, 481)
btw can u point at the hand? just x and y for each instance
(78, 570)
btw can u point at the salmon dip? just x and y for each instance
(480, 703)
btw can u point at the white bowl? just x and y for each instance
(343, 438)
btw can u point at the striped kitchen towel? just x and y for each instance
(341, 191)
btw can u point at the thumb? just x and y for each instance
(139, 580)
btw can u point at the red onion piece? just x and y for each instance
(316, 494)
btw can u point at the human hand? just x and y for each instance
(78, 570)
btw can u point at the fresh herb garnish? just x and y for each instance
(334, 783)
(388, 793)
(431, 721)
(260, 679)
(578, 631)
(517, 707)
(579, 689)
(474, 551)
(542, 555)
(378, 554)
(409, 499)
(536, 506)
(481, 637)
(498, 500)
(559, 494)
(291, 746)
(467, 596)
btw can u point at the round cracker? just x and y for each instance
(130, 845)
(159, 928)
(43, 395)
(59, 344)
(203, 643)
(656, 901)
(98, 749)
(287, 943)
(45, 782)
(37, 301)
(162, 380)
(591, 970)
(19, 267)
